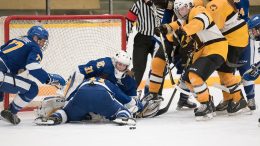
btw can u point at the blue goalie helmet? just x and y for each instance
(38, 31)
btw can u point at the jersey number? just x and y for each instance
(17, 45)
(88, 69)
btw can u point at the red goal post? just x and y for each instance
(73, 40)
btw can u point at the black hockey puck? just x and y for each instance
(132, 127)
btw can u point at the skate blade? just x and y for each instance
(248, 111)
(214, 114)
(122, 122)
(184, 108)
(40, 122)
(205, 118)
(241, 111)
(221, 112)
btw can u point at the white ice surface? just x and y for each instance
(175, 128)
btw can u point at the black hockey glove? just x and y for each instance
(164, 29)
(148, 2)
(182, 35)
(187, 49)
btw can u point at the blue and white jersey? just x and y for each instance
(105, 69)
(21, 54)
(243, 9)
(113, 89)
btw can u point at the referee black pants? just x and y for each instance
(143, 45)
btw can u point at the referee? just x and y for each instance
(147, 17)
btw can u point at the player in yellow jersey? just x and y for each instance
(235, 31)
(196, 27)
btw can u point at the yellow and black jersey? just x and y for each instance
(226, 18)
(201, 27)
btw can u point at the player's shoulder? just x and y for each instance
(106, 60)
(215, 4)
(197, 10)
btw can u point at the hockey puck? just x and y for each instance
(132, 127)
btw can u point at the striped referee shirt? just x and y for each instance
(145, 16)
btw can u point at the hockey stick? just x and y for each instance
(166, 108)
(167, 59)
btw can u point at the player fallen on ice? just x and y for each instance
(95, 96)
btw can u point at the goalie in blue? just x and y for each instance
(95, 96)
(16, 56)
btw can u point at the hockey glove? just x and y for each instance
(135, 105)
(252, 73)
(148, 2)
(164, 29)
(182, 35)
(56, 80)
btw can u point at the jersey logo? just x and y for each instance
(38, 58)
(100, 64)
(213, 7)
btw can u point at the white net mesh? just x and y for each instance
(71, 42)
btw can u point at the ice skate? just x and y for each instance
(222, 106)
(125, 121)
(47, 121)
(184, 102)
(204, 112)
(10, 117)
(236, 107)
(251, 104)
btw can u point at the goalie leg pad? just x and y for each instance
(49, 105)
(150, 108)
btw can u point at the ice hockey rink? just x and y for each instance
(173, 128)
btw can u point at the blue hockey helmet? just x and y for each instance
(254, 27)
(38, 31)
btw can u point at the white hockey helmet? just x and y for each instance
(124, 58)
(182, 8)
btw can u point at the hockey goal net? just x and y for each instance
(73, 40)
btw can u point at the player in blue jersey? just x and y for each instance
(115, 69)
(247, 57)
(16, 56)
(94, 95)
(254, 30)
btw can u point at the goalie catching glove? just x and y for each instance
(56, 80)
